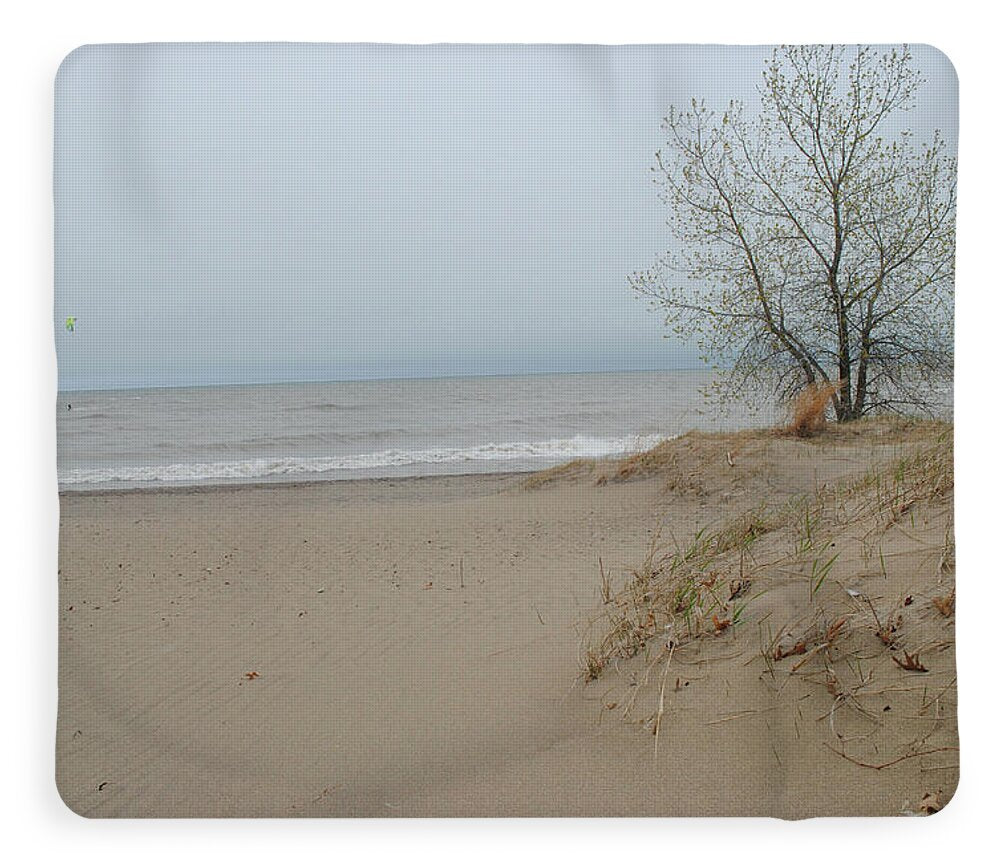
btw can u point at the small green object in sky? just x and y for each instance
(71, 323)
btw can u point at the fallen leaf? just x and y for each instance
(930, 804)
(429, 584)
(887, 634)
(251, 675)
(945, 603)
(911, 663)
(720, 624)
(797, 650)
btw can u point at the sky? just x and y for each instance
(295, 212)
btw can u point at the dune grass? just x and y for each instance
(574, 470)
(683, 462)
(718, 582)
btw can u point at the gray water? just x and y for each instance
(300, 431)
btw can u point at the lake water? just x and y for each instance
(300, 431)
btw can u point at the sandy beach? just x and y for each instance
(418, 647)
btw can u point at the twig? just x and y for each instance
(742, 714)
(890, 763)
(878, 622)
(659, 712)
(734, 655)
(808, 656)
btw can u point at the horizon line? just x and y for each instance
(325, 381)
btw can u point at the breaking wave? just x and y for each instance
(554, 450)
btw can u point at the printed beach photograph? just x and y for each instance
(505, 430)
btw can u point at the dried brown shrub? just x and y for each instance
(808, 409)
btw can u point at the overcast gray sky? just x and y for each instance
(247, 213)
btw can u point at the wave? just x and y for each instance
(263, 467)
(330, 407)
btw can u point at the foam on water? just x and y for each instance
(263, 467)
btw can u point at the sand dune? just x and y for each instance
(414, 647)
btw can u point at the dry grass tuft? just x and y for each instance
(924, 474)
(674, 596)
(659, 459)
(808, 409)
(693, 463)
(889, 428)
(574, 470)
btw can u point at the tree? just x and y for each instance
(813, 245)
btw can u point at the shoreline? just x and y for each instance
(235, 486)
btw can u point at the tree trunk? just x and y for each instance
(844, 407)
(861, 387)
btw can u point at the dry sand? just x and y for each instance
(413, 647)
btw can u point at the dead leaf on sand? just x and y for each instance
(780, 652)
(945, 603)
(720, 624)
(887, 632)
(910, 662)
(930, 804)
(251, 675)
(428, 585)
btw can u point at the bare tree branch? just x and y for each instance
(810, 248)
